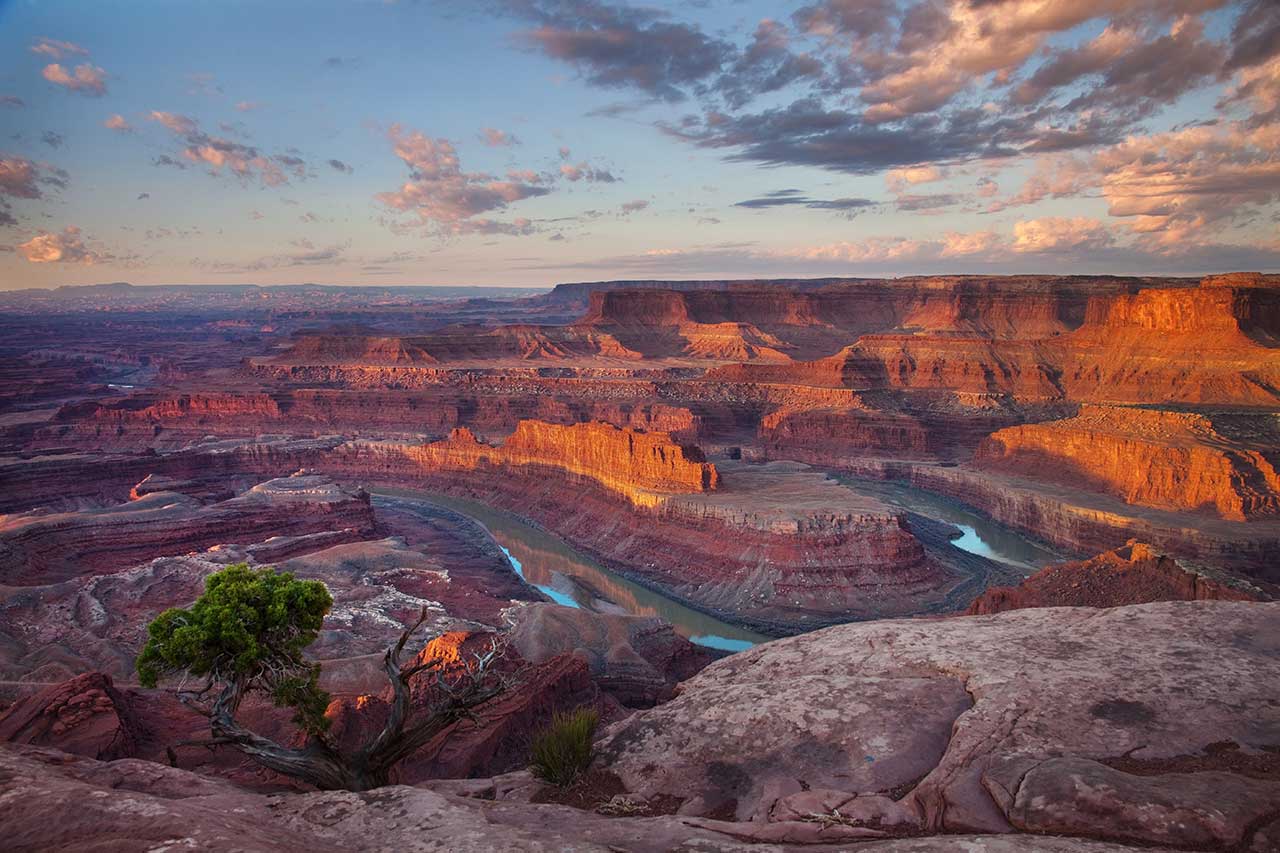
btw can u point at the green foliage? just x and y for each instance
(248, 628)
(562, 751)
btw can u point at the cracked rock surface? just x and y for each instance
(1153, 724)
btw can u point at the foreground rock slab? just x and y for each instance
(52, 800)
(1149, 724)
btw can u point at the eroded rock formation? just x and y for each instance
(1134, 574)
(42, 547)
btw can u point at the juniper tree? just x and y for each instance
(247, 633)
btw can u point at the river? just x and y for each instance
(980, 534)
(569, 577)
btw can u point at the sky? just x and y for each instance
(528, 142)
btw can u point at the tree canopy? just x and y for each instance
(248, 628)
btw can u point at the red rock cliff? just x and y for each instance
(622, 460)
(1168, 460)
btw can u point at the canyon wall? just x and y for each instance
(784, 550)
(43, 547)
(1169, 460)
(624, 461)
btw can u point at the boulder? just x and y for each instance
(1154, 723)
(85, 716)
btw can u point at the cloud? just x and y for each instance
(623, 46)
(23, 178)
(12, 101)
(783, 198)
(67, 247)
(179, 124)
(1199, 179)
(218, 153)
(57, 49)
(585, 172)
(52, 139)
(899, 179)
(86, 79)
(806, 133)
(446, 198)
(118, 122)
(248, 106)
(1060, 234)
(142, 196)
(630, 207)
(495, 138)
(339, 166)
(768, 65)
(309, 257)
(927, 201)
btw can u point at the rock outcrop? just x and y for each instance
(73, 803)
(1028, 721)
(1134, 574)
(625, 461)
(85, 716)
(1168, 460)
(38, 548)
(638, 660)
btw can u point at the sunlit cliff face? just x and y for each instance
(635, 464)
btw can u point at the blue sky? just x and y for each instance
(535, 141)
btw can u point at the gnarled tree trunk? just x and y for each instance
(321, 764)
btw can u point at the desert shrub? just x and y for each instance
(562, 751)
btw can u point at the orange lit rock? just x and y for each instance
(622, 460)
(1168, 460)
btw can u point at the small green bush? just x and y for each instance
(562, 751)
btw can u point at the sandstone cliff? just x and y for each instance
(625, 461)
(1169, 460)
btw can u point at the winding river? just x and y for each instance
(571, 578)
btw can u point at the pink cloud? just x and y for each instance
(498, 138)
(447, 198)
(57, 49)
(118, 122)
(86, 79)
(1058, 234)
(67, 247)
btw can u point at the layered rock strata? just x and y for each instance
(630, 463)
(784, 549)
(42, 547)
(1134, 574)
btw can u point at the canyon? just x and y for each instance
(870, 497)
